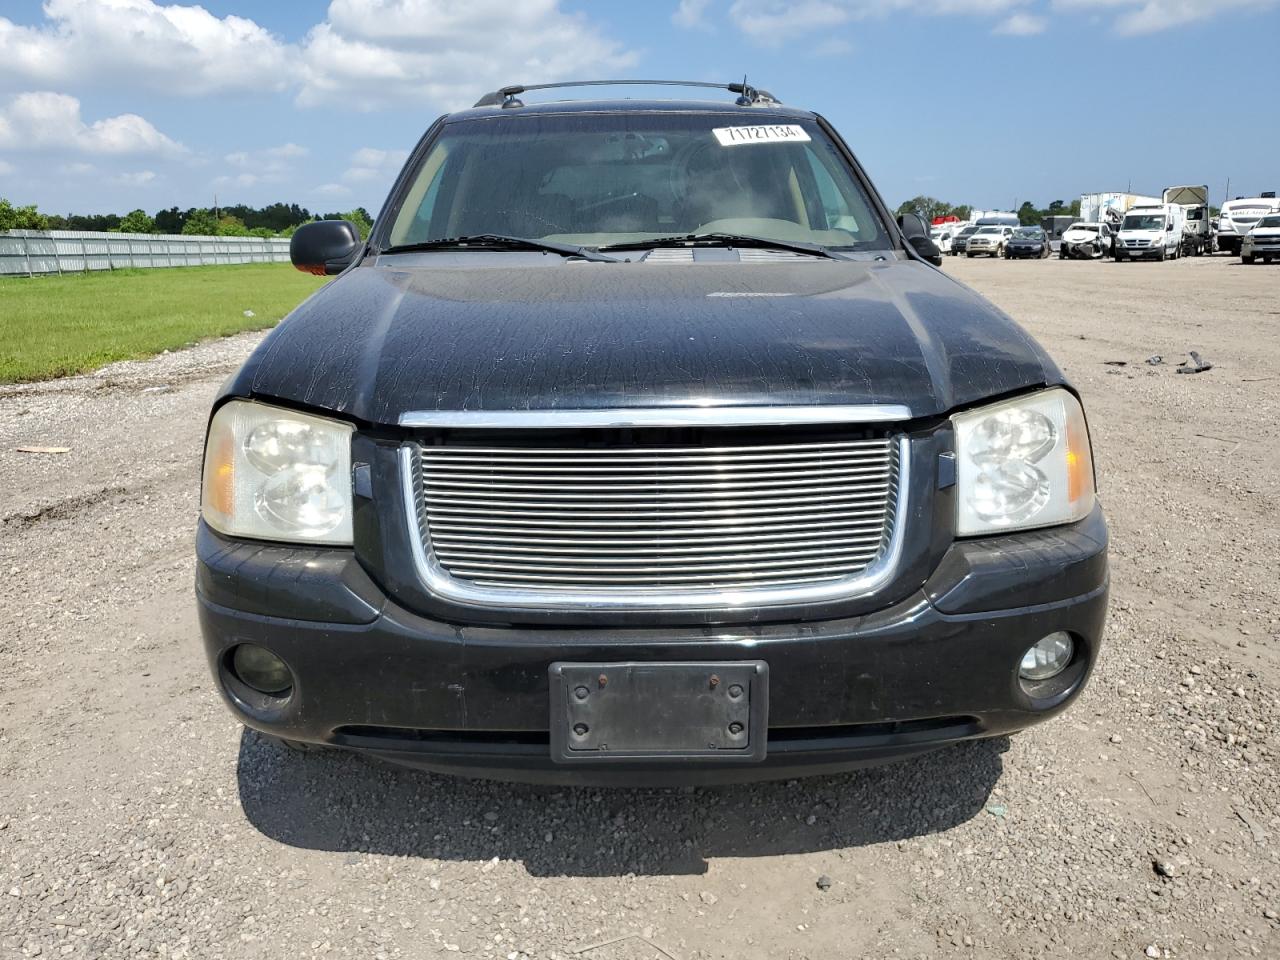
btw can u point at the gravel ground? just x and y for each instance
(137, 819)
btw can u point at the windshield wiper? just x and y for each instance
(497, 241)
(726, 240)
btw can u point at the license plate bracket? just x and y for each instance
(637, 711)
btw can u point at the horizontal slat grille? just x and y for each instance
(610, 520)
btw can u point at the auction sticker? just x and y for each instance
(772, 133)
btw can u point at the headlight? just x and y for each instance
(273, 474)
(1023, 463)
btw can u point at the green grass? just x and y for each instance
(55, 326)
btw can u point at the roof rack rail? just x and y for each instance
(748, 95)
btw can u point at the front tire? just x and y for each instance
(1247, 258)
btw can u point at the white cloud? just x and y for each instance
(691, 13)
(136, 178)
(1021, 25)
(771, 22)
(371, 52)
(370, 163)
(268, 165)
(169, 47)
(333, 190)
(1152, 16)
(51, 121)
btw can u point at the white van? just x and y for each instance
(1154, 231)
(1238, 217)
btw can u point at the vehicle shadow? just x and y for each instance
(342, 802)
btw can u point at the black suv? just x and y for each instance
(640, 443)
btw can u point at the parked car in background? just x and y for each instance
(522, 494)
(1027, 242)
(1153, 232)
(960, 241)
(1263, 241)
(942, 237)
(1239, 216)
(1085, 241)
(988, 241)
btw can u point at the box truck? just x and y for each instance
(1197, 235)
(1110, 208)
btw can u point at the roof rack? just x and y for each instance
(748, 96)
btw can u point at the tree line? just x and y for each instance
(1029, 215)
(238, 220)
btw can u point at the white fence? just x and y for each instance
(33, 252)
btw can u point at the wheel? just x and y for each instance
(970, 255)
(1247, 258)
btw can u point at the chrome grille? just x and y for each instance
(617, 521)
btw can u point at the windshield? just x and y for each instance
(1029, 233)
(1144, 221)
(991, 230)
(1269, 222)
(968, 231)
(591, 179)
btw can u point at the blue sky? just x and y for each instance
(108, 105)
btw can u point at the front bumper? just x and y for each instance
(936, 667)
(1138, 253)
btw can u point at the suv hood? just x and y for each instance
(381, 340)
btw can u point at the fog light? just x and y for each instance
(1048, 658)
(259, 668)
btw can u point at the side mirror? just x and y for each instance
(325, 247)
(917, 234)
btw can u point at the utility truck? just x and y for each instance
(1197, 233)
(1154, 231)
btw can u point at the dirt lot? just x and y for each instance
(138, 820)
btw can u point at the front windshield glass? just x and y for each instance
(968, 231)
(1029, 233)
(1144, 221)
(991, 230)
(593, 179)
(1269, 222)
